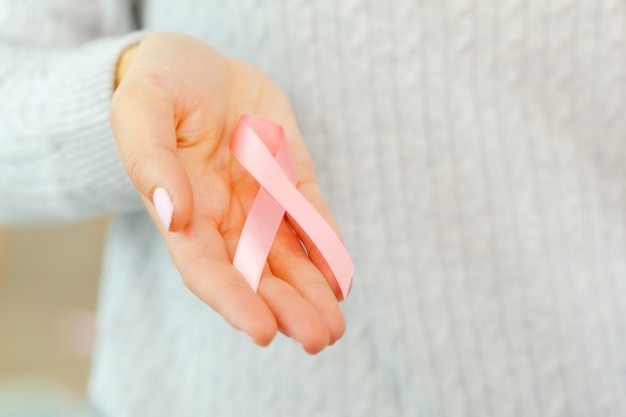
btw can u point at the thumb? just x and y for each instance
(144, 127)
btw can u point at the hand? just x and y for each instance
(173, 115)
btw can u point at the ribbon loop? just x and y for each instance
(261, 147)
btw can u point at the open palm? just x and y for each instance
(173, 116)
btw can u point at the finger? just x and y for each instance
(143, 124)
(296, 317)
(289, 261)
(203, 262)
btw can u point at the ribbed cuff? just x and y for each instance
(90, 172)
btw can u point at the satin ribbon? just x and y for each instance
(261, 147)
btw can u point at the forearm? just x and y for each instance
(57, 156)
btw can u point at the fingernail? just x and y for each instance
(164, 206)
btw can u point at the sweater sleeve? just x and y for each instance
(57, 154)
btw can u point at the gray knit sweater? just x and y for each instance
(473, 151)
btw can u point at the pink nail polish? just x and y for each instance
(164, 206)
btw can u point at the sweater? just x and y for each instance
(474, 157)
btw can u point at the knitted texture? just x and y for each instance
(57, 159)
(474, 155)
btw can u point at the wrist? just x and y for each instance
(123, 63)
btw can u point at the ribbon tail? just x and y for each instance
(257, 236)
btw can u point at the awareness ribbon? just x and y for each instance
(261, 147)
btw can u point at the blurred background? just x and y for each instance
(48, 290)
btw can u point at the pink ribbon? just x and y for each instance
(261, 147)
